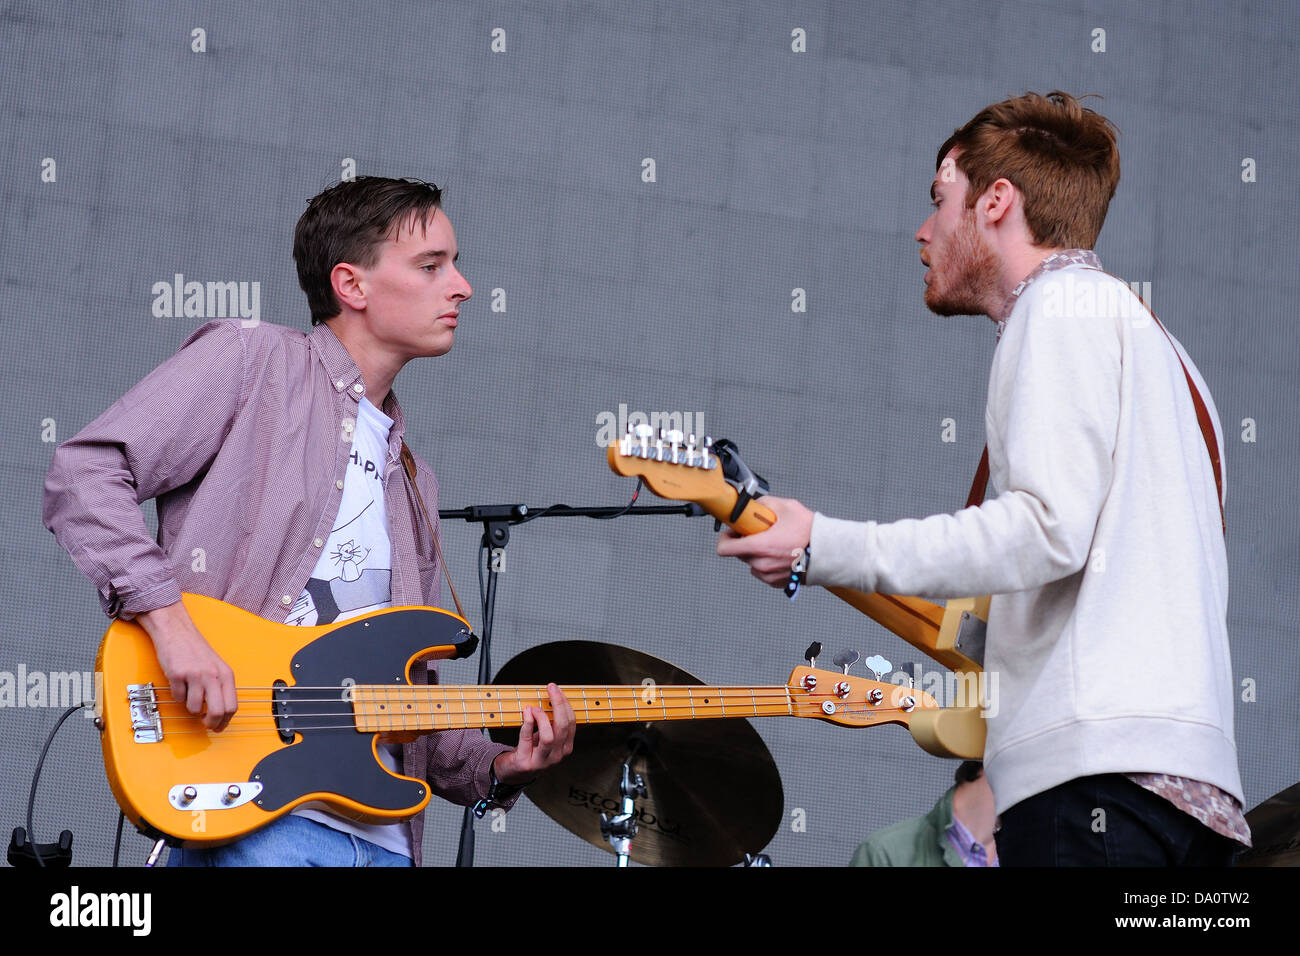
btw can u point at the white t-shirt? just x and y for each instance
(353, 577)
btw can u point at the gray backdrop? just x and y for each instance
(775, 170)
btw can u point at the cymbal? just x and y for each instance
(713, 790)
(1274, 831)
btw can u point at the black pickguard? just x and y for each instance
(332, 756)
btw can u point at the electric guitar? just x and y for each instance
(716, 478)
(314, 703)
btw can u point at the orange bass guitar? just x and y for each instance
(314, 702)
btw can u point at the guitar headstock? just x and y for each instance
(675, 467)
(854, 701)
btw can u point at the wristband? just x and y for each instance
(498, 792)
(798, 571)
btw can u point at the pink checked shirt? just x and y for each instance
(243, 439)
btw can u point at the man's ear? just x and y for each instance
(348, 284)
(997, 201)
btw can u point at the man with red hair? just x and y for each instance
(1103, 547)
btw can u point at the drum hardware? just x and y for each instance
(620, 829)
(672, 776)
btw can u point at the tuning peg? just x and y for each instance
(643, 433)
(814, 651)
(705, 461)
(675, 439)
(846, 659)
(877, 665)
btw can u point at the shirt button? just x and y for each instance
(339, 484)
(286, 600)
(319, 543)
(347, 424)
(358, 388)
(340, 385)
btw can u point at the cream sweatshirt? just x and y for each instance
(1102, 547)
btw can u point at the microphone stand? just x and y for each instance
(497, 521)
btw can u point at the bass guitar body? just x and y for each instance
(294, 737)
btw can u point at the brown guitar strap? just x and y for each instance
(981, 481)
(1202, 419)
(980, 484)
(408, 465)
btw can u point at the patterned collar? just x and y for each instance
(1057, 260)
(970, 850)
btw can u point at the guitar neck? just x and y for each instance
(384, 709)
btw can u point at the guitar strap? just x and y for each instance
(408, 465)
(1202, 419)
(980, 484)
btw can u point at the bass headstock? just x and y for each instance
(853, 701)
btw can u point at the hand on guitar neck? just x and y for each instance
(770, 533)
(197, 674)
(769, 553)
(541, 745)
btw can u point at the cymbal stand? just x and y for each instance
(620, 830)
(497, 520)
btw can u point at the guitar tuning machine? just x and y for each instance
(642, 434)
(814, 651)
(878, 666)
(675, 440)
(846, 659)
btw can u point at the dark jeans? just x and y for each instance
(1063, 827)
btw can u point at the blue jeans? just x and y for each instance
(1062, 827)
(292, 841)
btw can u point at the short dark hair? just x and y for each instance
(1061, 155)
(347, 223)
(969, 771)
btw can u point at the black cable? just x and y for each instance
(554, 509)
(117, 843)
(640, 483)
(36, 778)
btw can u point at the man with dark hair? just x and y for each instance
(1103, 548)
(275, 458)
(957, 832)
